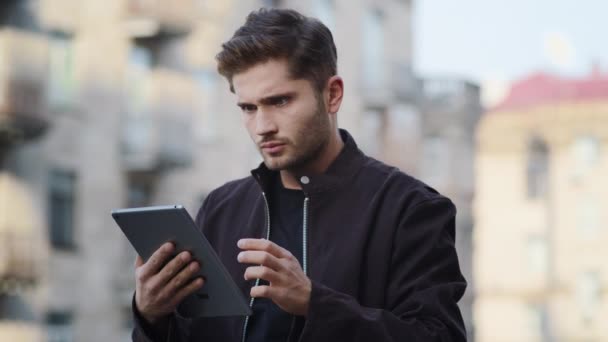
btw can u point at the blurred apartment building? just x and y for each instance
(110, 83)
(540, 212)
(107, 104)
(450, 111)
(22, 118)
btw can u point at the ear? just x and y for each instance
(334, 93)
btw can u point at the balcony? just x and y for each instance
(21, 245)
(149, 18)
(384, 84)
(451, 92)
(158, 133)
(52, 14)
(451, 102)
(19, 263)
(23, 79)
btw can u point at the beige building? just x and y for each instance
(540, 213)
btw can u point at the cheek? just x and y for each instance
(249, 124)
(302, 117)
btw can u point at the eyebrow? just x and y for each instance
(269, 100)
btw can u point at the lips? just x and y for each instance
(272, 147)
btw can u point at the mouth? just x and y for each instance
(272, 147)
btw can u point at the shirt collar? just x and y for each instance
(340, 171)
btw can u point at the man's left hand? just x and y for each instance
(289, 287)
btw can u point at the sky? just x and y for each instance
(495, 42)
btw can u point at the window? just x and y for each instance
(537, 261)
(435, 161)
(62, 189)
(537, 168)
(535, 319)
(14, 307)
(373, 49)
(588, 292)
(373, 127)
(586, 154)
(138, 130)
(59, 326)
(140, 64)
(61, 63)
(588, 217)
(324, 11)
(586, 150)
(207, 130)
(403, 136)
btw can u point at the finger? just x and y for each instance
(262, 272)
(193, 286)
(264, 245)
(138, 261)
(173, 267)
(263, 291)
(182, 278)
(260, 258)
(156, 261)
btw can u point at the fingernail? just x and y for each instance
(168, 247)
(238, 257)
(240, 243)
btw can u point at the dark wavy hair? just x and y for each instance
(305, 43)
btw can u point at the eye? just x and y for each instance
(248, 108)
(281, 101)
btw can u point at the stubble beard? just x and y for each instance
(311, 141)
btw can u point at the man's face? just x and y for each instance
(285, 117)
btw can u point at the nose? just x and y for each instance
(265, 124)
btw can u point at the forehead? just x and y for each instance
(265, 79)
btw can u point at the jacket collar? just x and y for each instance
(340, 171)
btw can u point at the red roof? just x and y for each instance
(542, 88)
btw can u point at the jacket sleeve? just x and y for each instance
(423, 288)
(174, 329)
(145, 332)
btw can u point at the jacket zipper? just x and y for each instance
(304, 250)
(304, 254)
(305, 237)
(257, 281)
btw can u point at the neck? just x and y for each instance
(319, 165)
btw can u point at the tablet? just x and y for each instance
(148, 228)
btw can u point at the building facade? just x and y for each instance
(129, 111)
(539, 211)
(450, 113)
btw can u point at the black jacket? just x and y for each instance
(380, 255)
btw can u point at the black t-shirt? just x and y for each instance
(269, 323)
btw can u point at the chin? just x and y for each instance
(277, 163)
(273, 165)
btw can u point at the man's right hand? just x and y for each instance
(158, 289)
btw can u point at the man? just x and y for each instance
(330, 244)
